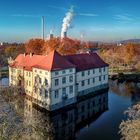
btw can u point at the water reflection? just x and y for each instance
(65, 123)
(4, 81)
(127, 89)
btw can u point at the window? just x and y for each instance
(29, 83)
(83, 83)
(26, 73)
(63, 91)
(88, 81)
(46, 73)
(35, 70)
(88, 105)
(104, 77)
(99, 78)
(71, 89)
(83, 108)
(83, 73)
(93, 71)
(71, 79)
(63, 72)
(56, 73)
(46, 93)
(88, 72)
(63, 80)
(104, 69)
(99, 101)
(71, 70)
(104, 99)
(56, 93)
(93, 80)
(39, 80)
(100, 69)
(29, 74)
(56, 82)
(19, 71)
(40, 71)
(36, 79)
(93, 103)
(46, 82)
(40, 91)
(35, 89)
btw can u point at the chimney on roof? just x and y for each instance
(31, 54)
(25, 54)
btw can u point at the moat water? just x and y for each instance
(84, 121)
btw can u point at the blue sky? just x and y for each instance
(103, 20)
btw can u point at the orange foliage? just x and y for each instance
(51, 45)
(69, 46)
(34, 46)
(64, 46)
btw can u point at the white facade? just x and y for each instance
(91, 78)
(53, 89)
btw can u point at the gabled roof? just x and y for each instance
(26, 61)
(86, 61)
(54, 61)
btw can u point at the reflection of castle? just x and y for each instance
(64, 124)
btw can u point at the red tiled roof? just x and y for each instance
(54, 61)
(27, 61)
(86, 61)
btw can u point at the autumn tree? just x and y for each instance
(129, 51)
(69, 46)
(50, 45)
(35, 46)
(13, 51)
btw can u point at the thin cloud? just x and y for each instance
(87, 14)
(124, 17)
(28, 16)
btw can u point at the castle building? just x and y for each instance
(55, 81)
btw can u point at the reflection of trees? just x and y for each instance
(122, 89)
(31, 122)
(41, 127)
(12, 124)
(10, 119)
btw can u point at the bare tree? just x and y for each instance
(130, 129)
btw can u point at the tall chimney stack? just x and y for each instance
(43, 27)
(65, 34)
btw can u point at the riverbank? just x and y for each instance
(122, 77)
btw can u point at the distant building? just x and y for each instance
(55, 81)
(1, 44)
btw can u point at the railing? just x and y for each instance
(64, 96)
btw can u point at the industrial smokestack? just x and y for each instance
(51, 34)
(65, 34)
(43, 27)
(66, 22)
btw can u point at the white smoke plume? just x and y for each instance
(66, 22)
